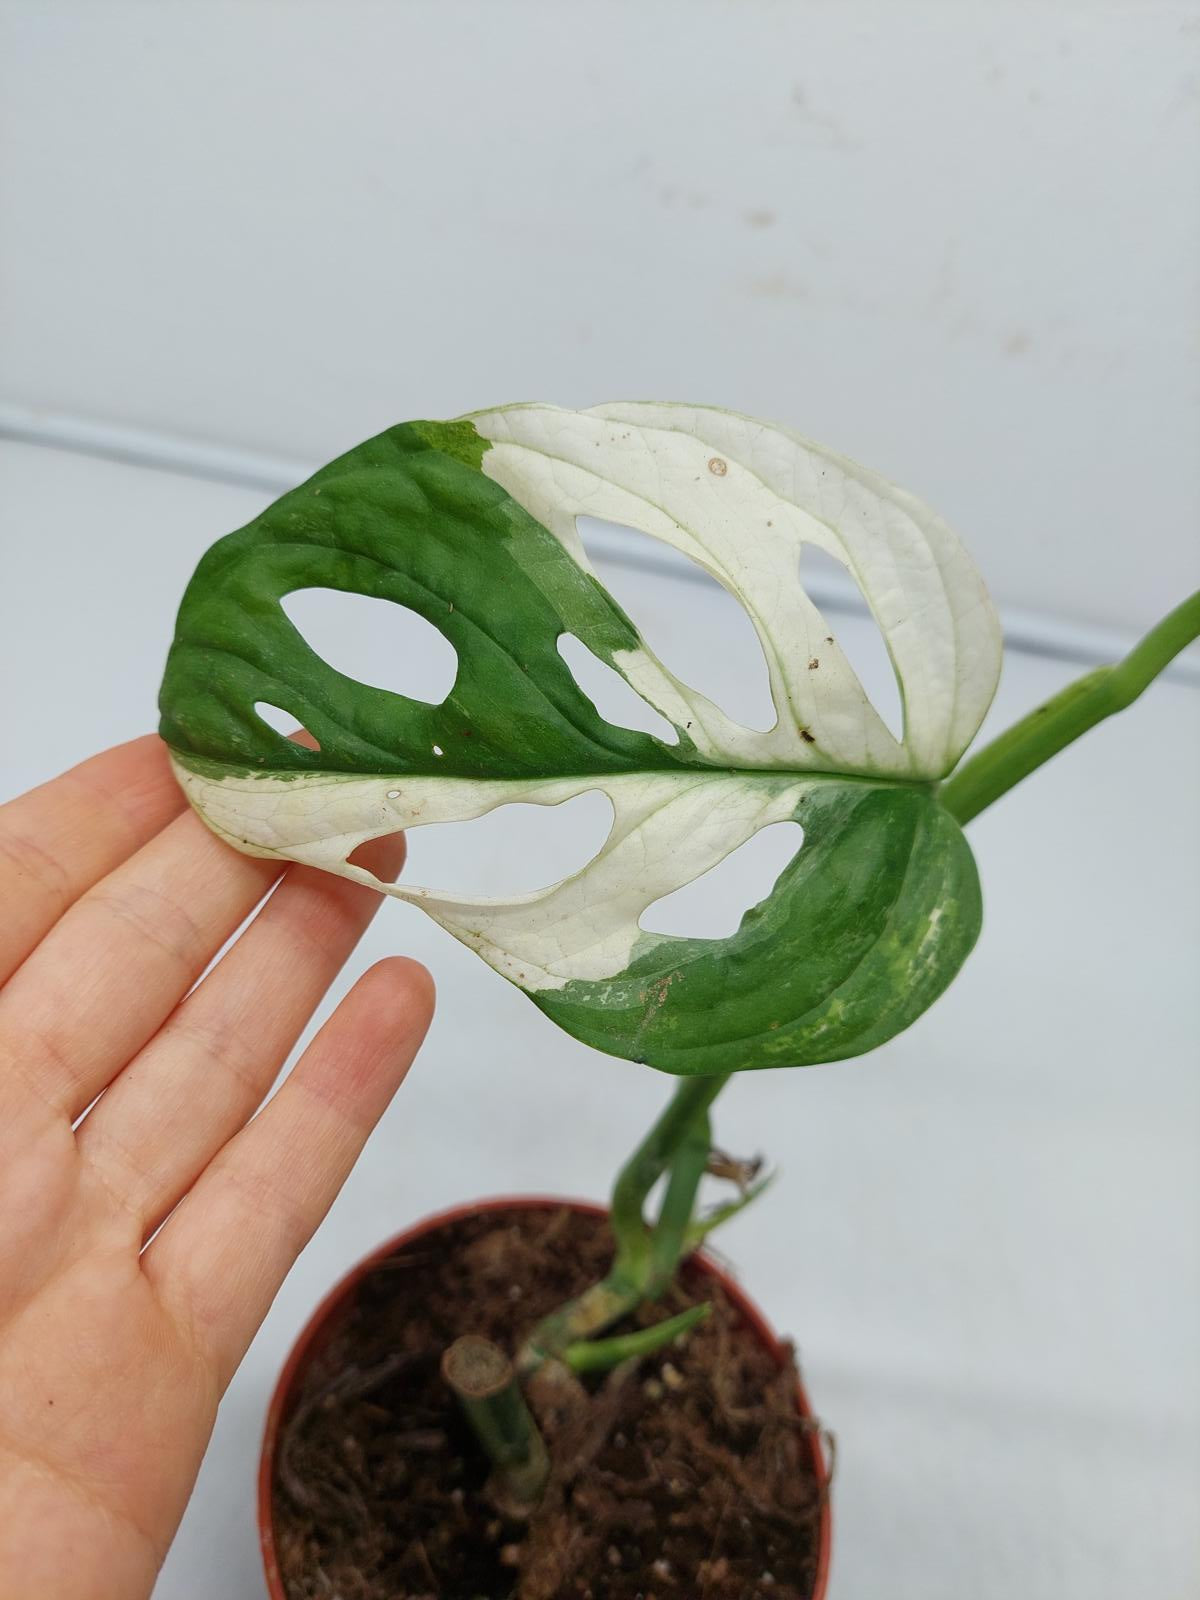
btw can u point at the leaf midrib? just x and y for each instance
(208, 766)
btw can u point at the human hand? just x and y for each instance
(114, 1351)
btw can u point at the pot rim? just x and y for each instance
(440, 1219)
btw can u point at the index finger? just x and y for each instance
(61, 838)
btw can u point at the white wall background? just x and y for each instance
(957, 240)
(960, 241)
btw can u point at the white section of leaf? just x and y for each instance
(668, 829)
(859, 637)
(743, 498)
(724, 659)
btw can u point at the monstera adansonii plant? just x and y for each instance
(472, 524)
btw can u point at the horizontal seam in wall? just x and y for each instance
(1030, 632)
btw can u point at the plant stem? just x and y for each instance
(485, 1384)
(597, 1308)
(599, 1355)
(645, 1167)
(625, 1287)
(668, 1240)
(1029, 743)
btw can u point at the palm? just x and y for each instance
(115, 1352)
(108, 1408)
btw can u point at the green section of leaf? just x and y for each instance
(459, 440)
(862, 932)
(404, 518)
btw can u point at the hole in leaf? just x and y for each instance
(831, 586)
(373, 853)
(512, 850)
(700, 632)
(610, 694)
(376, 642)
(713, 905)
(284, 722)
(276, 717)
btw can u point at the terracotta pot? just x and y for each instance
(324, 1320)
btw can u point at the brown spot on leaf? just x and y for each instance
(717, 466)
(813, 664)
(807, 737)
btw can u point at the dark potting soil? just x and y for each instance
(689, 1478)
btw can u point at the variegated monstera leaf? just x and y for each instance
(472, 524)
